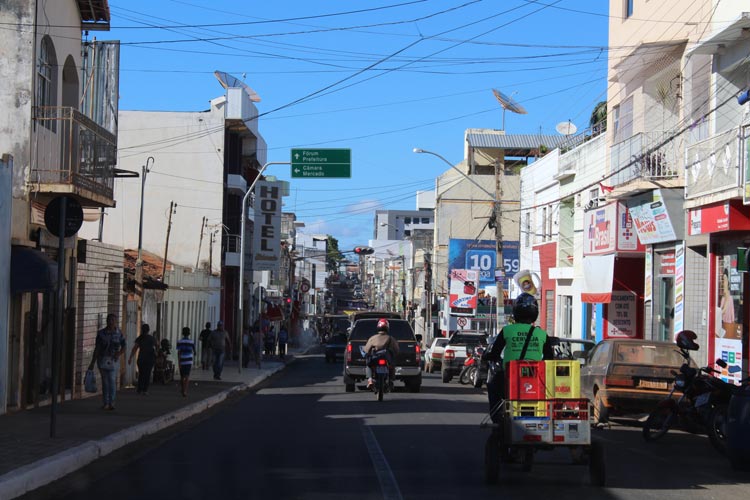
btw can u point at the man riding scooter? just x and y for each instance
(521, 340)
(381, 340)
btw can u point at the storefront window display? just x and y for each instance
(728, 325)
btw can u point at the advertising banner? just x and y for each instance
(651, 219)
(609, 229)
(481, 256)
(267, 234)
(730, 350)
(679, 289)
(622, 317)
(463, 292)
(648, 279)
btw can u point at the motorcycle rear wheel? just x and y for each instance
(658, 423)
(465, 377)
(717, 428)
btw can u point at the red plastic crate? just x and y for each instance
(570, 409)
(526, 380)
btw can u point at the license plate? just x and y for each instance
(398, 370)
(703, 399)
(652, 384)
(381, 369)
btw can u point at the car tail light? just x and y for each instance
(417, 349)
(348, 353)
(437, 355)
(619, 381)
(449, 354)
(382, 362)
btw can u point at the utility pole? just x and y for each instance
(499, 264)
(200, 242)
(139, 261)
(172, 210)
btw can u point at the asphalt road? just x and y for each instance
(300, 435)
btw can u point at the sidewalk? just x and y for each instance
(29, 458)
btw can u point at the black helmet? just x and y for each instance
(525, 309)
(686, 340)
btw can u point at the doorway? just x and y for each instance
(665, 316)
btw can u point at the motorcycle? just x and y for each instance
(381, 372)
(701, 408)
(163, 366)
(470, 370)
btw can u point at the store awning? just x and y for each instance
(31, 271)
(598, 273)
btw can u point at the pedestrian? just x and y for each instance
(270, 342)
(257, 340)
(109, 347)
(185, 353)
(219, 342)
(145, 346)
(205, 341)
(245, 347)
(283, 339)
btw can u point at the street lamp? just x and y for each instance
(499, 268)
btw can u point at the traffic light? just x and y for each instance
(363, 250)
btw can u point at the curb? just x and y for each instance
(37, 474)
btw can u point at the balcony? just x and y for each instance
(230, 246)
(644, 159)
(713, 164)
(72, 155)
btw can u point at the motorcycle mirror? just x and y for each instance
(722, 363)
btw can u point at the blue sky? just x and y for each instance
(378, 77)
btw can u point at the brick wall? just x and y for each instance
(100, 284)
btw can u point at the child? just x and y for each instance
(185, 352)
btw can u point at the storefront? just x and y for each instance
(728, 226)
(613, 277)
(659, 222)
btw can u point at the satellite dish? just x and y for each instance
(508, 103)
(228, 81)
(566, 128)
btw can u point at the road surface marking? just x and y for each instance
(387, 480)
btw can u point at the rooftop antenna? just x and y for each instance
(508, 103)
(566, 128)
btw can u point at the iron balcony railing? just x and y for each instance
(713, 165)
(231, 243)
(70, 148)
(649, 156)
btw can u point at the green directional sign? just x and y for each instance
(321, 163)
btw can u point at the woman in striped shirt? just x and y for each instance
(185, 353)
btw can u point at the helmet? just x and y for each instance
(686, 340)
(525, 309)
(382, 325)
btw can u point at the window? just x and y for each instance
(45, 85)
(407, 232)
(527, 229)
(544, 224)
(549, 222)
(616, 121)
(407, 220)
(425, 220)
(628, 8)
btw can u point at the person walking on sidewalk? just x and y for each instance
(246, 346)
(205, 340)
(109, 347)
(283, 339)
(185, 353)
(145, 345)
(256, 341)
(219, 342)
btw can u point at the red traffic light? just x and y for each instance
(288, 300)
(363, 250)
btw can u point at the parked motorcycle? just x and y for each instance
(702, 406)
(470, 369)
(163, 366)
(379, 363)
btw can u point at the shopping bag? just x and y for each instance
(89, 381)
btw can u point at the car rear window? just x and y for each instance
(441, 342)
(338, 339)
(647, 354)
(365, 328)
(340, 324)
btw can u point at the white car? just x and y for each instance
(433, 356)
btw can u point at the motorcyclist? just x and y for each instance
(381, 340)
(512, 339)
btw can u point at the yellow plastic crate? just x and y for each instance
(563, 379)
(528, 409)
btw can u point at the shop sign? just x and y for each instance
(723, 216)
(622, 315)
(464, 286)
(648, 279)
(267, 233)
(666, 264)
(610, 229)
(651, 219)
(679, 288)
(730, 350)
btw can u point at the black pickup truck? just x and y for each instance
(407, 363)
